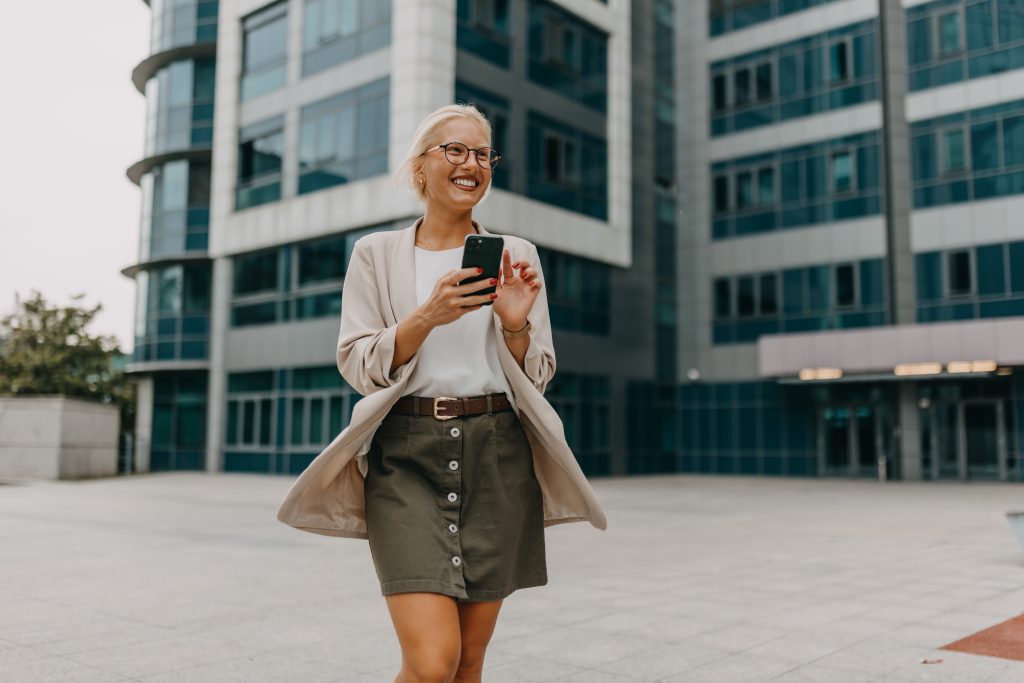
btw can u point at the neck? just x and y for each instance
(444, 229)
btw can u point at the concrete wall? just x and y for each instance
(53, 437)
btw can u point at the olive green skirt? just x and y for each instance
(454, 506)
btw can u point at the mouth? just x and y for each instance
(465, 183)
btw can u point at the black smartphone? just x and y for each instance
(483, 251)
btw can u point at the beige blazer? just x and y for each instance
(380, 291)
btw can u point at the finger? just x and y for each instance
(476, 285)
(507, 266)
(480, 299)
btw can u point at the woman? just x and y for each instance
(453, 494)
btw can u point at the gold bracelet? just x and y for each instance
(525, 329)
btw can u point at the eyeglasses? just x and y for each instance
(456, 153)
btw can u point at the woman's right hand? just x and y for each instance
(447, 303)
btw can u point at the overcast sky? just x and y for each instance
(72, 124)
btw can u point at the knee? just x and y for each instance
(471, 663)
(438, 666)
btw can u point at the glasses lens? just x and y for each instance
(488, 157)
(456, 153)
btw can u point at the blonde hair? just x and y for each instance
(427, 135)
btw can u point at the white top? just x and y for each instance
(459, 358)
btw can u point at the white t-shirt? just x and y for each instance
(459, 358)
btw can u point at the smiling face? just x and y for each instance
(441, 188)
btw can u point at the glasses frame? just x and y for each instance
(476, 154)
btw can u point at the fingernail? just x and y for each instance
(479, 269)
(494, 296)
(493, 281)
(516, 264)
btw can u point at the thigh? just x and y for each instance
(476, 624)
(427, 625)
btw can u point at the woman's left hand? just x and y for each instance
(515, 294)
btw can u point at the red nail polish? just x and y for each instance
(516, 264)
(493, 281)
(494, 296)
(479, 269)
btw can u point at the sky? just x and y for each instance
(72, 123)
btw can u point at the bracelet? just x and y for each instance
(525, 329)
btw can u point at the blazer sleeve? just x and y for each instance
(366, 345)
(539, 362)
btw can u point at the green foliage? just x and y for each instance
(46, 349)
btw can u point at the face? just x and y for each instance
(440, 174)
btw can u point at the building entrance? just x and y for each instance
(851, 439)
(969, 440)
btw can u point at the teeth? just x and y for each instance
(465, 181)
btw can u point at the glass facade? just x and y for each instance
(583, 402)
(820, 73)
(337, 31)
(277, 421)
(806, 185)
(172, 313)
(182, 22)
(983, 281)
(175, 209)
(482, 30)
(968, 156)
(566, 166)
(665, 196)
(344, 137)
(821, 297)
(260, 149)
(178, 436)
(497, 111)
(567, 55)
(179, 107)
(578, 290)
(264, 50)
(949, 41)
(725, 16)
(293, 282)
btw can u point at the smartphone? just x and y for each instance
(483, 251)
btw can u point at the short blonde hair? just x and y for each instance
(427, 135)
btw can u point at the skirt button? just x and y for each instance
(456, 560)
(455, 432)
(452, 497)
(453, 465)
(452, 528)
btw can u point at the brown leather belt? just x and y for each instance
(447, 407)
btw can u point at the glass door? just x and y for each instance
(835, 446)
(984, 439)
(850, 440)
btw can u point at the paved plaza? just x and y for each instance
(190, 577)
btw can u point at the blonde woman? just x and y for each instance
(453, 462)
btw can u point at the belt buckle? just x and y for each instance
(442, 398)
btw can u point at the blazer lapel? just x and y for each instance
(402, 278)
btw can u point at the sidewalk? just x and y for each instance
(190, 577)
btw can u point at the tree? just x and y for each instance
(46, 349)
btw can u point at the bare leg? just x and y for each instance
(427, 625)
(476, 625)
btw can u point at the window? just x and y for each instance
(741, 87)
(719, 89)
(842, 172)
(723, 297)
(264, 50)
(321, 260)
(260, 148)
(949, 33)
(763, 78)
(769, 294)
(745, 296)
(845, 290)
(336, 31)
(744, 190)
(255, 273)
(721, 191)
(959, 263)
(839, 62)
(954, 159)
(985, 146)
(766, 186)
(919, 41)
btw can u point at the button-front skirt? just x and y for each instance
(454, 506)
